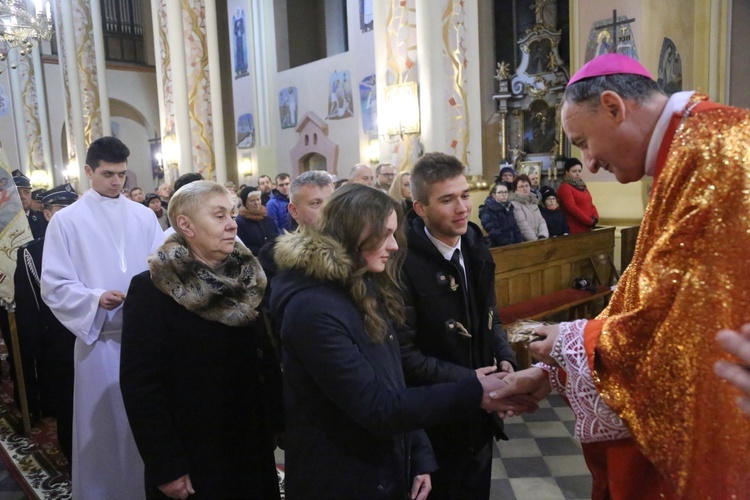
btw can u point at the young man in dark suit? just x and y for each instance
(452, 324)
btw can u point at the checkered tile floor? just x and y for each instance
(541, 461)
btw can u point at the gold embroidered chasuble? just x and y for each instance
(689, 277)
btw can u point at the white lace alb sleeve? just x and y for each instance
(595, 420)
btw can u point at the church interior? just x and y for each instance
(238, 89)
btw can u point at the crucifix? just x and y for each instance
(615, 23)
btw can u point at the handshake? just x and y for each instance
(509, 394)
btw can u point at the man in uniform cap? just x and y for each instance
(654, 420)
(36, 199)
(46, 345)
(37, 222)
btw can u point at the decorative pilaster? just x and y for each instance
(83, 73)
(396, 62)
(190, 97)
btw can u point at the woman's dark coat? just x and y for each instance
(199, 397)
(499, 222)
(351, 424)
(556, 222)
(255, 233)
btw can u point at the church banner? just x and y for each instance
(14, 230)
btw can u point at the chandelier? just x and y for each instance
(19, 28)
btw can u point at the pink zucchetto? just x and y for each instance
(610, 64)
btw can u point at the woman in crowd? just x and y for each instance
(553, 216)
(352, 425)
(254, 226)
(201, 384)
(526, 210)
(497, 218)
(507, 174)
(401, 191)
(575, 200)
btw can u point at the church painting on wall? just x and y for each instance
(368, 102)
(288, 107)
(245, 131)
(340, 102)
(670, 68)
(240, 44)
(608, 35)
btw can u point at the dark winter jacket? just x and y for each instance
(202, 398)
(556, 222)
(255, 233)
(278, 210)
(352, 425)
(450, 333)
(499, 222)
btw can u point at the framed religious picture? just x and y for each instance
(288, 107)
(240, 44)
(340, 102)
(539, 127)
(365, 15)
(245, 131)
(530, 167)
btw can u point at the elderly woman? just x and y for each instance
(575, 199)
(254, 226)
(526, 210)
(352, 425)
(198, 377)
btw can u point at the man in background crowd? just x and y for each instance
(136, 194)
(278, 205)
(385, 174)
(265, 186)
(37, 222)
(361, 174)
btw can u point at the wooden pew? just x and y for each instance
(533, 280)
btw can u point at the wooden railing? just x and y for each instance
(534, 280)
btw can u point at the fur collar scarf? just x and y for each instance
(313, 254)
(525, 199)
(576, 183)
(228, 294)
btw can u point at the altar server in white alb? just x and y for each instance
(93, 248)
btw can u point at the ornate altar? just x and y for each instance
(528, 99)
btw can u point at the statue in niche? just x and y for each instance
(545, 12)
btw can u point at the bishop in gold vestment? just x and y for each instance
(655, 420)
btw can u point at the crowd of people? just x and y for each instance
(518, 209)
(375, 294)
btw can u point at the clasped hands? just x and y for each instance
(509, 393)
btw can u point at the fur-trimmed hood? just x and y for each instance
(313, 254)
(228, 294)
